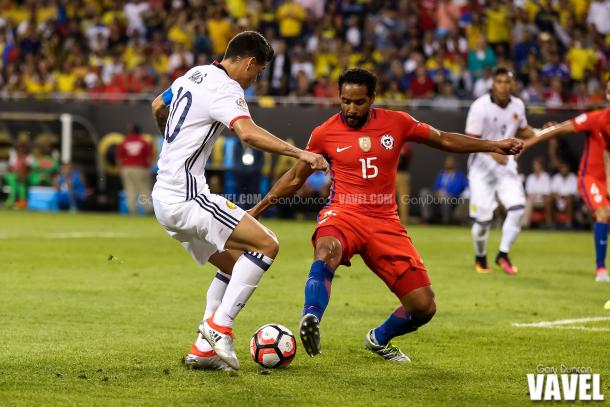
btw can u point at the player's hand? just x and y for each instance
(509, 146)
(315, 161)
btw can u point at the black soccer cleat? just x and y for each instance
(309, 330)
(480, 264)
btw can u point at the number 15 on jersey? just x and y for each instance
(369, 170)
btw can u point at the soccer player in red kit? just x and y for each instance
(591, 173)
(363, 146)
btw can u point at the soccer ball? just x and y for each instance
(273, 345)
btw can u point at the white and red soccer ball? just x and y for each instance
(273, 345)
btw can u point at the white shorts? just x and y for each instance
(203, 225)
(483, 189)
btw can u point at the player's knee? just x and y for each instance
(425, 312)
(329, 252)
(602, 214)
(269, 245)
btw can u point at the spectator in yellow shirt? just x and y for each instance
(474, 31)
(66, 78)
(580, 58)
(237, 8)
(498, 26)
(221, 31)
(290, 16)
(181, 31)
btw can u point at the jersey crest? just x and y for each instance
(365, 143)
(387, 141)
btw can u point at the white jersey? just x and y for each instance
(489, 121)
(564, 186)
(201, 103)
(538, 185)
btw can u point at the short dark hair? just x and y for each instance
(249, 44)
(500, 70)
(359, 76)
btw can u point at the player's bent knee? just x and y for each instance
(270, 246)
(329, 251)
(425, 312)
(602, 214)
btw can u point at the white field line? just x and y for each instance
(70, 235)
(568, 324)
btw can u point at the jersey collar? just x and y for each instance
(491, 97)
(217, 65)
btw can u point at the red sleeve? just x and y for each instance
(316, 141)
(120, 152)
(605, 135)
(412, 130)
(587, 121)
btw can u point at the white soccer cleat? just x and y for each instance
(389, 352)
(601, 275)
(221, 340)
(197, 359)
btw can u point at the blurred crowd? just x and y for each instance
(36, 164)
(441, 50)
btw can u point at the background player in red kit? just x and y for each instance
(591, 173)
(363, 146)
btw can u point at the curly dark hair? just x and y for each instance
(359, 76)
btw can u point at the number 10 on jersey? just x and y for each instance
(369, 170)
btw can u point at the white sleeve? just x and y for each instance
(229, 105)
(523, 124)
(474, 121)
(545, 188)
(556, 184)
(528, 184)
(573, 185)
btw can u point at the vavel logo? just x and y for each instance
(564, 383)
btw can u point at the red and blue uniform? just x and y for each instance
(591, 172)
(361, 211)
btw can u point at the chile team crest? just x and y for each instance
(365, 144)
(387, 141)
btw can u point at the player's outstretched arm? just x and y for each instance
(257, 137)
(160, 113)
(460, 143)
(287, 185)
(548, 133)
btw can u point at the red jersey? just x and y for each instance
(592, 161)
(135, 151)
(363, 161)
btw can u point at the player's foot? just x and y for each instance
(309, 330)
(480, 264)
(204, 360)
(503, 261)
(220, 339)
(601, 275)
(389, 352)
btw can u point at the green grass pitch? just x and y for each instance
(99, 309)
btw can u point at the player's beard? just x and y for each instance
(357, 121)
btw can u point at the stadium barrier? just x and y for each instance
(293, 120)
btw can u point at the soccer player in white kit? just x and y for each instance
(495, 116)
(191, 114)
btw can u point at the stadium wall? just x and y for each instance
(296, 122)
